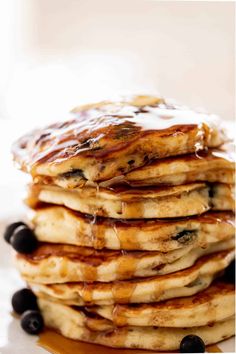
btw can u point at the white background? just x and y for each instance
(58, 53)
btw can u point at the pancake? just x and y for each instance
(214, 165)
(108, 139)
(74, 324)
(53, 263)
(127, 203)
(61, 225)
(211, 305)
(139, 290)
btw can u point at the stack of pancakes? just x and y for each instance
(132, 206)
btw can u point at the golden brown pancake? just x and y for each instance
(214, 165)
(112, 138)
(130, 203)
(216, 303)
(74, 323)
(57, 263)
(61, 225)
(139, 290)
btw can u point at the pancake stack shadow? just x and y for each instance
(132, 206)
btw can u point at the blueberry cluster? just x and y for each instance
(21, 237)
(24, 302)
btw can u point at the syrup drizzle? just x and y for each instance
(85, 134)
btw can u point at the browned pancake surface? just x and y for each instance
(109, 139)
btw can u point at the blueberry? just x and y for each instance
(24, 300)
(10, 230)
(32, 322)
(192, 344)
(23, 240)
(229, 275)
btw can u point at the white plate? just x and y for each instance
(12, 338)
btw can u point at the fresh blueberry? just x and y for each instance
(32, 322)
(10, 230)
(229, 275)
(23, 240)
(192, 344)
(24, 300)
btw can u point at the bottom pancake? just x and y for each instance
(73, 323)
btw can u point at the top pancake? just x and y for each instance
(109, 139)
(214, 165)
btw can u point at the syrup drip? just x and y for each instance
(97, 233)
(213, 349)
(118, 315)
(122, 292)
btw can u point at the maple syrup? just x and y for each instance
(57, 344)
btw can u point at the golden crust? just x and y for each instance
(215, 303)
(56, 263)
(139, 290)
(61, 225)
(131, 203)
(105, 141)
(76, 324)
(214, 165)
